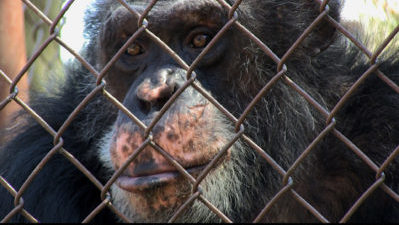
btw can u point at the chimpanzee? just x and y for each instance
(330, 177)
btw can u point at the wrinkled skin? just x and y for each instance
(193, 130)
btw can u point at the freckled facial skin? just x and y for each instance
(150, 182)
(182, 135)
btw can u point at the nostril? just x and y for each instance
(165, 95)
(161, 102)
(148, 104)
(145, 106)
(174, 88)
(153, 96)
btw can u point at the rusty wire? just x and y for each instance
(287, 185)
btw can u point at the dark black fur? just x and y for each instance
(331, 178)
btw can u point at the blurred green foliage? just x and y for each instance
(48, 65)
(378, 28)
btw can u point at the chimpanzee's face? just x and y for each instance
(192, 131)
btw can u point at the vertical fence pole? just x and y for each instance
(12, 55)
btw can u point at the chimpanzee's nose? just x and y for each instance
(154, 92)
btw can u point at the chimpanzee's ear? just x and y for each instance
(324, 33)
(279, 23)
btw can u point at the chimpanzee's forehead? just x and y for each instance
(166, 3)
(187, 11)
(178, 7)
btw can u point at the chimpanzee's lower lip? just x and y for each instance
(138, 184)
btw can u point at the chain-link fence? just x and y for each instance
(281, 77)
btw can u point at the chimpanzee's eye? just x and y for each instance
(200, 40)
(134, 50)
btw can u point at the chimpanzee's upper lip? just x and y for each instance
(140, 183)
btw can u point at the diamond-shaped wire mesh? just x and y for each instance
(281, 77)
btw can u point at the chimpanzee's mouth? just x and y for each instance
(141, 183)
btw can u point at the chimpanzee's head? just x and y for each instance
(192, 132)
